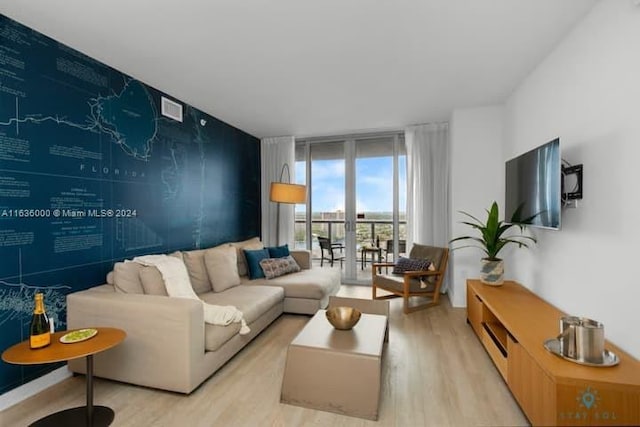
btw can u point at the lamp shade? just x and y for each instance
(283, 192)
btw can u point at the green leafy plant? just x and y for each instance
(492, 238)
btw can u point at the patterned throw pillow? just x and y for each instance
(276, 267)
(412, 264)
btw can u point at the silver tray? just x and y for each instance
(609, 357)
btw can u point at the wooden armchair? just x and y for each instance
(334, 251)
(413, 283)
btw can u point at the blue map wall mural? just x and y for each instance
(92, 172)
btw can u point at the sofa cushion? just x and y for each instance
(194, 261)
(278, 251)
(215, 336)
(253, 262)
(152, 281)
(126, 277)
(177, 254)
(252, 301)
(222, 267)
(316, 283)
(302, 257)
(276, 267)
(250, 244)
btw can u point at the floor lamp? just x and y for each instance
(285, 192)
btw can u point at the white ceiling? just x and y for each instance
(309, 68)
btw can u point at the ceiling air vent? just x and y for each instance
(171, 109)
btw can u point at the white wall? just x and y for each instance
(477, 179)
(587, 92)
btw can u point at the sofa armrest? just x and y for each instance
(302, 257)
(161, 332)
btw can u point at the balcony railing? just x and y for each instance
(367, 231)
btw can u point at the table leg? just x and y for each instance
(89, 415)
(90, 390)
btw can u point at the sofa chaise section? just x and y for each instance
(165, 344)
(306, 291)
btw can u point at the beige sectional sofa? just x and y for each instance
(168, 345)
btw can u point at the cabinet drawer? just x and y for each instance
(496, 355)
(533, 389)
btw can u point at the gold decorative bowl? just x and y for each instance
(343, 318)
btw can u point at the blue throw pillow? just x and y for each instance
(253, 262)
(278, 251)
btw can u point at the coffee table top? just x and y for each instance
(366, 338)
(22, 354)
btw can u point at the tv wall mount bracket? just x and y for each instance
(576, 192)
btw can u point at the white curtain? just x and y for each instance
(274, 153)
(428, 218)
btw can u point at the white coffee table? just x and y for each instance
(336, 371)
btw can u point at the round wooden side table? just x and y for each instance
(89, 415)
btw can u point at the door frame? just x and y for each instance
(349, 274)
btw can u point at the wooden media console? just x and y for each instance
(512, 324)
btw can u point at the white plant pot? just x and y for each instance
(492, 272)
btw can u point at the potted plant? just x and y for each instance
(492, 239)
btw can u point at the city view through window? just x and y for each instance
(373, 200)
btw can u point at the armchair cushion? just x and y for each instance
(432, 253)
(395, 282)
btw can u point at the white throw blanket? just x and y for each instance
(176, 280)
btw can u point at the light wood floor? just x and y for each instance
(435, 373)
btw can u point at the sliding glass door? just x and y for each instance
(357, 200)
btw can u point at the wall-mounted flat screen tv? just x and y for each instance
(533, 181)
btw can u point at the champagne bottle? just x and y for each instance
(40, 332)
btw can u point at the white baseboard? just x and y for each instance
(27, 390)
